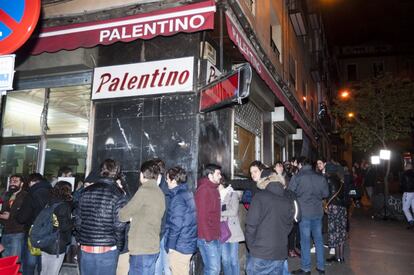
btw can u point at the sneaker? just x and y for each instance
(321, 272)
(332, 251)
(313, 249)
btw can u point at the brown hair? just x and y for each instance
(178, 174)
(110, 169)
(62, 191)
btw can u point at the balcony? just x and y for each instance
(297, 15)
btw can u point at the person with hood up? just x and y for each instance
(268, 224)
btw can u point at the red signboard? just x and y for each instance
(186, 18)
(227, 89)
(18, 19)
(220, 93)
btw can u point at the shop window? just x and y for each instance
(69, 110)
(69, 152)
(244, 150)
(22, 113)
(17, 159)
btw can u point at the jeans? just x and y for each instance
(162, 264)
(13, 244)
(307, 227)
(210, 252)
(142, 264)
(99, 263)
(286, 268)
(30, 262)
(407, 202)
(51, 264)
(230, 258)
(256, 266)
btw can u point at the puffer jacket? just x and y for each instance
(96, 217)
(181, 226)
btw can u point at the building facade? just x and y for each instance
(122, 79)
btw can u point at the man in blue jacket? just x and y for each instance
(310, 188)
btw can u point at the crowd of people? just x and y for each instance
(161, 227)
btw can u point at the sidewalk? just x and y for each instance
(375, 247)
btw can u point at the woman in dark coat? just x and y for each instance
(52, 257)
(336, 210)
(181, 225)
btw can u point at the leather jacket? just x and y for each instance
(336, 190)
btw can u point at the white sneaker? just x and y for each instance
(313, 249)
(332, 251)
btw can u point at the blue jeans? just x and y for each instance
(29, 261)
(162, 264)
(286, 268)
(99, 263)
(210, 252)
(13, 244)
(230, 258)
(256, 266)
(313, 226)
(142, 264)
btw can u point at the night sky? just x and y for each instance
(352, 22)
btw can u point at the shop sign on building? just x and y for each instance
(226, 90)
(147, 78)
(6, 72)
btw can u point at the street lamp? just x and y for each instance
(375, 160)
(385, 154)
(345, 94)
(350, 115)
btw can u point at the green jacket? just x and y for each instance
(145, 211)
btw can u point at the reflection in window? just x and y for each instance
(61, 152)
(244, 150)
(17, 159)
(69, 110)
(22, 113)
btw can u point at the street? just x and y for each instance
(375, 247)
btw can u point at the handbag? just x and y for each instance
(33, 250)
(225, 232)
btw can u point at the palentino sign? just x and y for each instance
(147, 78)
(186, 18)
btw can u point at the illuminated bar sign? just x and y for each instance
(226, 90)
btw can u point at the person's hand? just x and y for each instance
(5, 215)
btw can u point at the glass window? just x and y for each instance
(17, 159)
(22, 113)
(61, 152)
(69, 110)
(244, 150)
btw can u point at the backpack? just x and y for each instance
(297, 213)
(43, 234)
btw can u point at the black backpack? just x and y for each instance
(43, 234)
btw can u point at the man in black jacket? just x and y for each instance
(99, 231)
(269, 221)
(33, 203)
(407, 186)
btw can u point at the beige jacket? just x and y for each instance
(145, 211)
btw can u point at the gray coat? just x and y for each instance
(231, 214)
(310, 189)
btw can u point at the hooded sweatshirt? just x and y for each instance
(207, 199)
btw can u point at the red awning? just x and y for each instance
(246, 49)
(188, 18)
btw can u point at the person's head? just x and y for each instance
(62, 191)
(34, 178)
(278, 168)
(110, 169)
(65, 172)
(320, 164)
(176, 176)
(161, 165)
(255, 170)
(149, 171)
(16, 183)
(294, 161)
(213, 173)
(302, 161)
